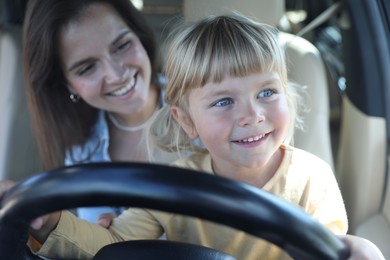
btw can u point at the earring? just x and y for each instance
(74, 97)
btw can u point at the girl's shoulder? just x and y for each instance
(299, 170)
(307, 165)
(305, 158)
(197, 161)
(298, 155)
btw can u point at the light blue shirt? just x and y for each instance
(94, 150)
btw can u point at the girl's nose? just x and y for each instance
(114, 71)
(251, 114)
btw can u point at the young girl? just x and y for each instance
(227, 87)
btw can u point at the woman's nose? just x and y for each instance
(251, 114)
(114, 71)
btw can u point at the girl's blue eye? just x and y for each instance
(223, 102)
(266, 93)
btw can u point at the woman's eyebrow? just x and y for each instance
(77, 64)
(120, 36)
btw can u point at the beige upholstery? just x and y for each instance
(377, 230)
(361, 163)
(363, 167)
(18, 153)
(304, 64)
(307, 69)
(264, 10)
(377, 227)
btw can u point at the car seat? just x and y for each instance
(18, 152)
(305, 67)
(362, 163)
(377, 227)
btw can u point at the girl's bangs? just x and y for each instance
(232, 52)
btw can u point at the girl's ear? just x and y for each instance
(184, 121)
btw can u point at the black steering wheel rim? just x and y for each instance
(166, 188)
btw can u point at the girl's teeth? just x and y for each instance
(252, 139)
(125, 89)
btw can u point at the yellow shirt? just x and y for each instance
(302, 179)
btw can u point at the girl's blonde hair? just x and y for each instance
(207, 51)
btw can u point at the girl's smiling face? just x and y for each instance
(241, 121)
(104, 61)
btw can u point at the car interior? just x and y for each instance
(344, 76)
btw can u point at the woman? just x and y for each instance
(91, 72)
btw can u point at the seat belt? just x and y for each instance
(320, 19)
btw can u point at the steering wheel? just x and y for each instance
(165, 188)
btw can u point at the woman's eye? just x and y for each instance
(123, 46)
(266, 93)
(223, 102)
(85, 69)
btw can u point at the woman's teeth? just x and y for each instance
(125, 89)
(252, 139)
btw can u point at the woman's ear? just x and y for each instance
(184, 120)
(71, 89)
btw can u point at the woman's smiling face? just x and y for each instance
(241, 121)
(104, 61)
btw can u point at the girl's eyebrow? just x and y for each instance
(220, 92)
(116, 40)
(270, 82)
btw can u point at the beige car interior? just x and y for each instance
(361, 175)
(360, 165)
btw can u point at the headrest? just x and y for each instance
(266, 11)
(12, 12)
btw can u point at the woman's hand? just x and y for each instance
(362, 249)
